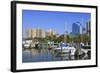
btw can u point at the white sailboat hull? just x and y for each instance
(70, 50)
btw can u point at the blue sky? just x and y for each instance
(52, 20)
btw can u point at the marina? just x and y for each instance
(54, 53)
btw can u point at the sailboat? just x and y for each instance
(65, 48)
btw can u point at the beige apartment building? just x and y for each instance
(35, 33)
(50, 32)
(39, 33)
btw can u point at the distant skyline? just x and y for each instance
(32, 19)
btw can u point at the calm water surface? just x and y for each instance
(34, 55)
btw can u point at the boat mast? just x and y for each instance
(65, 34)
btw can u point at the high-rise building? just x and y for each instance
(50, 32)
(76, 29)
(43, 34)
(35, 33)
(29, 33)
(39, 33)
(88, 28)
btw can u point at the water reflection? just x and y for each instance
(34, 55)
